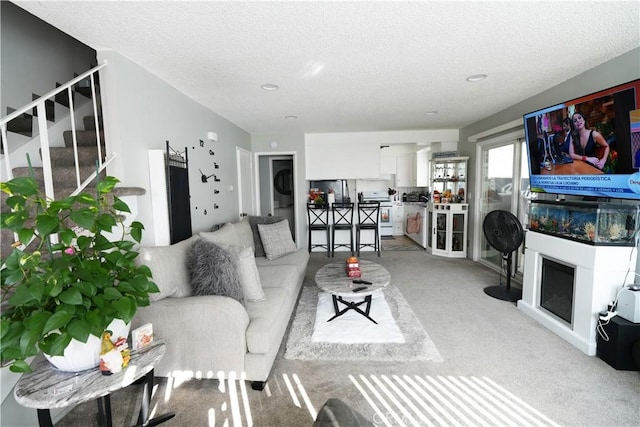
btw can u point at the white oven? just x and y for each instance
(386, 210)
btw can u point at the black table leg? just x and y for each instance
(44, 418)
(350, 305)
(143, 417)
(104, 411)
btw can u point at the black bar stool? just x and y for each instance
(342, 220)
(368, 217)
(318, 216)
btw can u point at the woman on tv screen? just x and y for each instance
(584, 142)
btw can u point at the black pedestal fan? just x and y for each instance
(504, 233)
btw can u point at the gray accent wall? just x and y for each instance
(34, 56)
(619, 70)
(141, 112)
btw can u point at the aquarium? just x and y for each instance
(593, 223)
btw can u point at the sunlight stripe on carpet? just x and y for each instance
(444, 401)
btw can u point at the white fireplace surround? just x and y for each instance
(600, 272)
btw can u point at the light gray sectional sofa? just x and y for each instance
(207, 335)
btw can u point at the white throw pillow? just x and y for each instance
(168, 265)
(276, 239)
(247, 272)
(225, 235)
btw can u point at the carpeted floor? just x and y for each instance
(499, 367)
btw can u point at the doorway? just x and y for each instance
(277, 187)
(504, 185)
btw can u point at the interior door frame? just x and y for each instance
(272, 183)
(245, 189)
(256, 185)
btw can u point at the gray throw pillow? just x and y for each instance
(276, 239)
(212, 271)
(254, 221)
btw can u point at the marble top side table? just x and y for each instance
(47, 388)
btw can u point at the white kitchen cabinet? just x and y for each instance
(448, 222)
(406, 174)
(418, 212)
(422, 168)
(398, 219)
(450, 173)
(331, 159)
(388, 165)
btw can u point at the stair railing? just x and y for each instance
(39, 104)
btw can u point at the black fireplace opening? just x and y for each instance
(556, 288)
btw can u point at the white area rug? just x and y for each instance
(352, 327)
(417, 345)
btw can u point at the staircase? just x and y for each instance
(65, 181)
(64, 171)
(60, 175)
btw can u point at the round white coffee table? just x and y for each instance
(332, 278)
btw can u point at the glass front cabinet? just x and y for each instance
(448, 208)
(448, 179)
(449, 229)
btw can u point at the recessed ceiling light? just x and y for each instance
(476, 77)
(270, 86)
(431, 113)
(290, 117)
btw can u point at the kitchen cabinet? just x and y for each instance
(416, 212)
(398, 219)
(450, 173)
(422, 168)
(448, 222)
(327, 159)
(406, 174)
(388, 165)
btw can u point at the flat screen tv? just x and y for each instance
(589, 146)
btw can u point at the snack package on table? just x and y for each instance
(353, 267)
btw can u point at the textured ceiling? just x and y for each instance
(354, 66)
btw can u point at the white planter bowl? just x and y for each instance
(79, 356)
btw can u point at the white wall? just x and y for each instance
(141, 112)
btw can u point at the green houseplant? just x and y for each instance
(72, 286)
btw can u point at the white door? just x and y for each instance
(245, 167)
